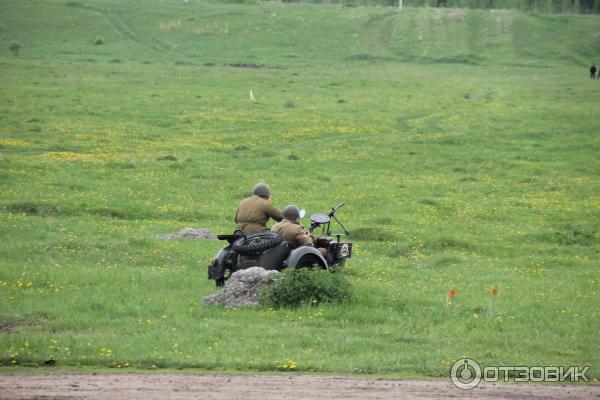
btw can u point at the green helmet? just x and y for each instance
(291, 211)
(262, 190)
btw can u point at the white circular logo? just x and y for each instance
(345, 250)
(465, 373)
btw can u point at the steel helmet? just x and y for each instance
(262, 190)
(291, 211)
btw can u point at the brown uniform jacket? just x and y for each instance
(254, 212)
(293, 233)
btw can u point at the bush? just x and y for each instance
(293, 288)
(15, 47)
(99, 41)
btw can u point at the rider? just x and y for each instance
(254, 212)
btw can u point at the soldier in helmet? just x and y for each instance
(292, 231)
(254, 212)
(290, 228)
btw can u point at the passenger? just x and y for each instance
(290, 228)
(292, 231)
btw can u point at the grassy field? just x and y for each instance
(464, 143)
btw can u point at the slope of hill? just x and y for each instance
(282, 34)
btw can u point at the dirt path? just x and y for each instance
(187, 386)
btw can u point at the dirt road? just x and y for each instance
(188, 386)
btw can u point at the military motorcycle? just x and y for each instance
(268, 250)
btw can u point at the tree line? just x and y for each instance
(540, 6)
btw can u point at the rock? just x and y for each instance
(189, 233)
(242, 288)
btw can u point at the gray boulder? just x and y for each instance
(242, 288)
(189, 233)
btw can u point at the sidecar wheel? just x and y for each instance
(310, 261)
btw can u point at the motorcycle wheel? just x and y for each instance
(220, 282)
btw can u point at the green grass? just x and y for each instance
(464, 144)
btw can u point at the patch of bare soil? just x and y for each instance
(7, 326)
(187, 386)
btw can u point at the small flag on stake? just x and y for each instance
(493, 292)
(450, 294)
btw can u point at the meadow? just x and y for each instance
(463, 142)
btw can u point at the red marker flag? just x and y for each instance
(450, 294)
(493, 292)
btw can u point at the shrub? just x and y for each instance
(33, 209)
(371, 234)
(293, 288)
(167, 158)
(15, 47)
(99, 41)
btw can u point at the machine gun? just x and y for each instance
(324, 220)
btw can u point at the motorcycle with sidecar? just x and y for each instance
(268, 250)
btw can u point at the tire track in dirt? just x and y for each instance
(375, 37)
(124, 29)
